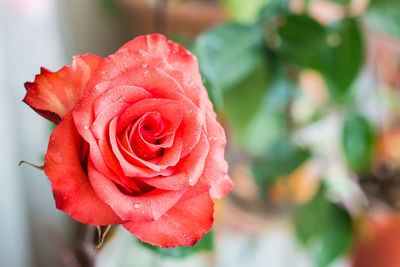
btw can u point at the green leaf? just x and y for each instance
(358, 142)
(384, 15)
(272, 9)
(244, 11)
(302, 40)
(281, 159)
(344, 2)
(205, 244)
(342, 62)
(243, 101)
(324, 227)
(227, 54)
(256, 111)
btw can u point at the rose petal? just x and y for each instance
(144, 143)
(158, 45)
(124, 94)
(109, 165)
(99, 127)
(101, 158)
(216, 167)
(221, 188)
(187, 171)
(193, 88)
(115, 173)
(183, 225)
(126, 61)
(54, 94)
(170, 110)
(147, 207)
(148, 76)
(192, 120)
(71, 188)
(83, 113)
(132, 164)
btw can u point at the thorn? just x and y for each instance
(39, 167)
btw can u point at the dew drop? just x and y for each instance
(137, 206)
(86, 127)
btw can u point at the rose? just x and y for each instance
(137, 142)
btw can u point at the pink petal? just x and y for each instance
(188, 170)
(54, 94)
(183, 225)
(132, 165)
(192, 120)
(216, 167)
(221, 188)
(158, 45)
(123, 94)
(147, 207)
(148, 77)
(170, 110)
(71, 188)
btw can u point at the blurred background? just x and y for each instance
(308, 92)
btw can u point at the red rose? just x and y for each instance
(137, 142)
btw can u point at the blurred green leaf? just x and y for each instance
(205, 244)
(281, 159)
(343, 60)
(325, 227)
(358, 142)
(272, 9)
(227, 54)
(244, 100)
(302, 40)
(244, 11)
(257, 110)
(384, 15)
(345, 2)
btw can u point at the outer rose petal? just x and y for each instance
(54, 94)
(216, 167)
(222, 188)
(183, 225)
(214, 176)
(71, 188)
(158, 45)
(147, 207)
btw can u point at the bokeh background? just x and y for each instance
(308, 92)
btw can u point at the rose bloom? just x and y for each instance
(137, 141)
